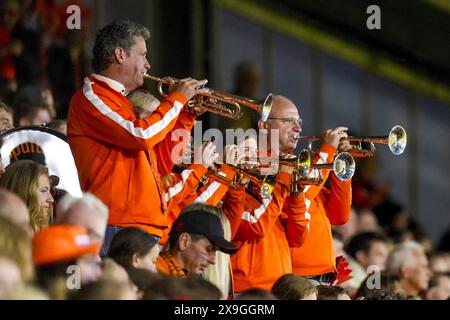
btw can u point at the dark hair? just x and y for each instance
(99, 290)
(363, 242)
(256, 294)
(329, 292)
(28, 110)
(115, 35)
(53, 279)
(4, 106)
(388, 283)
(127, 242)
(292, 287)
(189, 288)
(142, 278)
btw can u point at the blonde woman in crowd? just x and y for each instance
(31, 182)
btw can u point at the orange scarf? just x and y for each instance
(168, 265)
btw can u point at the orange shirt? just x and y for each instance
(323, 208)
(264, 235)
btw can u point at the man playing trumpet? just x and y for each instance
(119, 157)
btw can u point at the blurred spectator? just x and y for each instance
(111, 270)
(6, 117)
(59, 125)
(293, 287)
(132, 247)
(440, 262)
(88, 212)
(59, 247)
(369, 249)
(256, 294)
(382, 282)
(13, 208)
(16, 245)
(27, 293)
(201, 288)
(32, 114)
(189, 288)
(34, 94)
(105, 290)
(331, 293)
(439, 287)
(143, 279)
(31, 182)
(408, 261)
(367, 221)
(10, 277)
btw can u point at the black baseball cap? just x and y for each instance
(204, 223)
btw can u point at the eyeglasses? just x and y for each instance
(290, 121)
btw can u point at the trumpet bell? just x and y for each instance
(266, 190)
(266, 107)
(344, 166)
(397, 140)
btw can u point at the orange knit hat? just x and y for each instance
(59, 243)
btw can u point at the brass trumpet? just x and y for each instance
(396, 140)
(343, 167)
(243, 174)
(223, 104)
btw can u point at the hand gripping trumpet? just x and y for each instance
(220, 103)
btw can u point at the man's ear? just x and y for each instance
(119, 55)
(134, 260)
(184, 241)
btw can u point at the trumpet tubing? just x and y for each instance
(220, 103)
(396, 141)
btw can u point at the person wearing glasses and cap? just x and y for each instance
(195, 237)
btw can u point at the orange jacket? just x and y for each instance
(184, 191)
(324, 207)
(264, 234)
(115, 152)
(184, 184)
